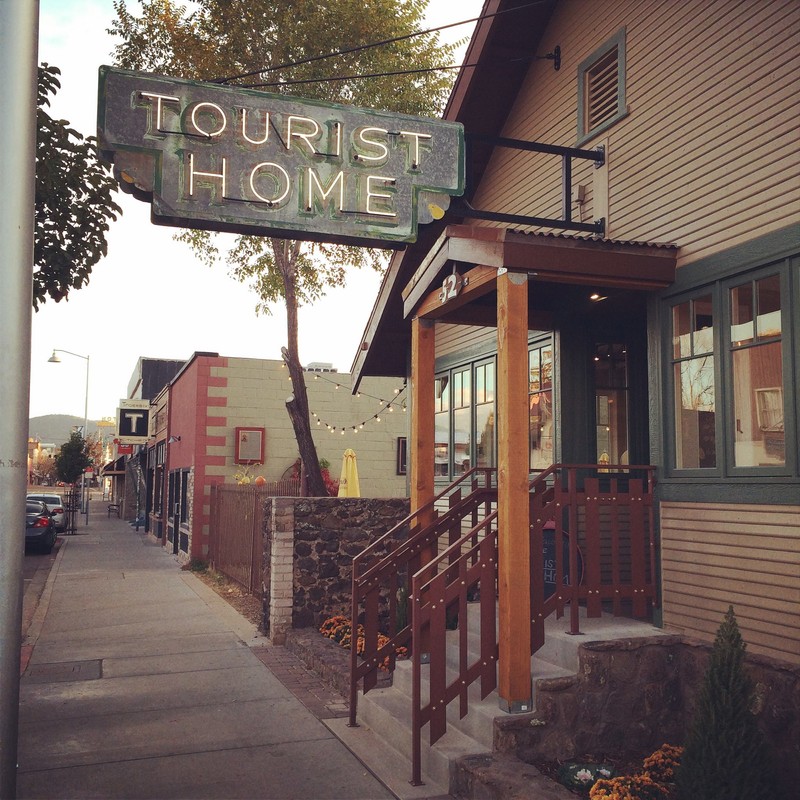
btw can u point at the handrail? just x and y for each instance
(378, 574)
(571, 497)
(447, 580)
(398, 529)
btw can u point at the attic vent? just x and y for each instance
(601, 88)
(602, 81)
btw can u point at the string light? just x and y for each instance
(385, 406)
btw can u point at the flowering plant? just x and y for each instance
(576, 775)
(340, 629)
(661, 765)
(629, 787)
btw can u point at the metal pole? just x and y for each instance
(19, 30)
(84, 487)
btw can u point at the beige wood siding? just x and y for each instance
(709, 154)
(452, 339)
(747, 556)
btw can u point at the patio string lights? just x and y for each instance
(386, 407)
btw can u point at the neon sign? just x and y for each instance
(237, 160)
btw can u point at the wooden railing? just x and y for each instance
(592, 543)
(382, 574)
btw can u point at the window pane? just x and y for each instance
(612, 427)
(758, 406)
(695, 445)
(457, 390)
(681, 331)
(547, 368)
(490, 383)
(441, 450)
(480, 384)
(742, 314)
(541, 430)
(466, 384)
(484, 439)
(442, 403)
(703, 340)
(533, 368)
(461, 441)
(769, 306)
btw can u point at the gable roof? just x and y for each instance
(502, 46)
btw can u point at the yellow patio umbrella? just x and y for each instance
(348, 483)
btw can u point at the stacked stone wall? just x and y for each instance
(630, 696)
(309, 546)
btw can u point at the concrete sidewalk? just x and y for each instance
(143, 683)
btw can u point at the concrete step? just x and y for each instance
(387, 713)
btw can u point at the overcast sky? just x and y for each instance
(149, 297)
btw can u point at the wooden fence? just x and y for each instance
(237, 530)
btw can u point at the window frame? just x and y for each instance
(719, 287)
(790, 465)
(450, 372)
(618, 40)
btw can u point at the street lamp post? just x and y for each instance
(54, 359)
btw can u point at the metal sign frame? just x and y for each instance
(243, 161)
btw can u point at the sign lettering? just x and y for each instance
(238, 160)
(133, 418)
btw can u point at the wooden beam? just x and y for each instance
(477, 282)
(513, 521)
(423, 431)
(457, 244)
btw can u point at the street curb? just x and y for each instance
(37, 620)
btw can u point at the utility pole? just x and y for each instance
(19, 33)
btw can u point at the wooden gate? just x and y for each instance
(236, 546)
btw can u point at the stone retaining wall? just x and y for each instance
(309, 545)
(630, 696)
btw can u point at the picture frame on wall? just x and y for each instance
(249, 444)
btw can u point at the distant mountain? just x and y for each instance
(56, 428)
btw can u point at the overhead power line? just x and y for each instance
(381, 43)
(372, 74)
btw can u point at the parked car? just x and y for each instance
(56, 505)
(40, 529)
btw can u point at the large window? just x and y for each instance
(464, 408)
(734, 406)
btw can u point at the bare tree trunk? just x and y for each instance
(286, 253)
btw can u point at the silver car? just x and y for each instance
(56, 505)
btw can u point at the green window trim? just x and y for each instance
(728, 424)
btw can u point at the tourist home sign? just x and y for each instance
(238, 160)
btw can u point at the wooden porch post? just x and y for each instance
(423, 341)
(514, 669)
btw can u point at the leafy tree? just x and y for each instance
(220, 39)
(73, 458)
(726, 756)
(73, 201)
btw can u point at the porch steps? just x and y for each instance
(384, 715)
